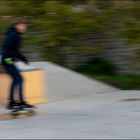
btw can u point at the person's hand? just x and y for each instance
(26, 62)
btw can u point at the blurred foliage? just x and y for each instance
(125, 82)
(97, 66)
(63, 27)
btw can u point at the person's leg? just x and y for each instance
(10, 70)
(13, 71)
(11, 102)
(12, 90)
(19, 82)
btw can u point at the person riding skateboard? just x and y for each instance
(11, 54)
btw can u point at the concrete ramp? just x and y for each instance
(66, 84)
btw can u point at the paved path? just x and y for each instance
(78, 107)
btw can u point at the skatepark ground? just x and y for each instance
(78, 107)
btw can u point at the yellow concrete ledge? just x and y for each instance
(34, 87)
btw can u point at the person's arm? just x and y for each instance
(21, 57)
(11, 41)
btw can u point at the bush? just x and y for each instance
(97, 66)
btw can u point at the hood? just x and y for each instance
(10, 30)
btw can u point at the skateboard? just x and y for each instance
(17, 114)
(20, 111)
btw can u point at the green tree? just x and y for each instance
(65, 27)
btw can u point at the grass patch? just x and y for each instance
(103, 70)
(126, 82)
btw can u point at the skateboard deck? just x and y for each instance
(18, 114)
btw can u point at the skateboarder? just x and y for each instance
(10, 54)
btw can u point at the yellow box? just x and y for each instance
(34, 87)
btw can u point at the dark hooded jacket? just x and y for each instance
(11, 46)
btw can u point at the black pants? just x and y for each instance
(17, 82)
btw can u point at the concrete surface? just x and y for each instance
(78, 107)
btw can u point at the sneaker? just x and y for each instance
(25, 105)
(12, 105)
